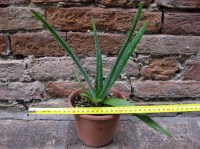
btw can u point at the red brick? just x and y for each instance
(123, 3)
(168, 44)
(64, 88)
(162, 89)
(160, 68)
(37, 44)
(109, 43)
(60, 89)
(14, 18)
(179, 4)
(182, 23)
(79, 18)
(8, 2)
(192, 70)
(4, 44)
(22, 91)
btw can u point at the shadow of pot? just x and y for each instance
(96, 131)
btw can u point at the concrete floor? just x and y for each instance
(19, 131)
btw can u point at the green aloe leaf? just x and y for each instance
(67, 49)
(153, 124)
(99, 72)
(117, 102)
(123, 48)
(143, 117)
(94, 100)
(85, 91)
(85, 94)
(131, 32)
(122, 61)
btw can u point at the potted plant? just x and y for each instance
(102, 93)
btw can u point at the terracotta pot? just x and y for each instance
(95, 131)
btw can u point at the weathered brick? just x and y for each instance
(109, 43)
(123, 3)
(130, 70)
(37, 44)
(192, 70)
(4, 45)
(61, 88)
(179, 4)
(22, 91)
(67, 1)
(182, 23)
(46, 69)
(14, 18)
(79, 18)
(11, 70)
(162, 89)
(9, 2)
(160, 68)
(168, 44)
(64, 88)
(112, 2)
(124, 87)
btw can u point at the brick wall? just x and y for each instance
(34, 70)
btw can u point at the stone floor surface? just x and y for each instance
(19, 131)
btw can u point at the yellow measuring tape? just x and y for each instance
(119, 110)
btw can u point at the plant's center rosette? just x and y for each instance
(75, 100)
(80, 101)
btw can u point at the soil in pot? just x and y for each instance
(79, 101)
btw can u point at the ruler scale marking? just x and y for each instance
(119, 110)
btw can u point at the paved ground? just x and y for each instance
(19, 131)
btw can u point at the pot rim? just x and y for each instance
(94, 117)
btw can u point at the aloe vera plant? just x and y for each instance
(98, 93)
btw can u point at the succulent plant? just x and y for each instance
(98, 93)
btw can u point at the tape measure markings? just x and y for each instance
(119, 110)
